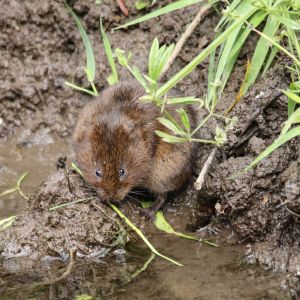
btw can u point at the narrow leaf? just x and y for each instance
(184, 119)
(159, 12)
(170, 125)
(113, 78)
(169, 138)
(152, 57)
(90, 60)
(276, 144)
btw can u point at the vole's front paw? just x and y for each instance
(148, 213)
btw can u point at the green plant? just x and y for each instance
(113, 78)
(90, 68)
(159, 12)
(17, 187)
(280, 20)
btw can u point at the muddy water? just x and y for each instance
(36, 154)
(208, 273)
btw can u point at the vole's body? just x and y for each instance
(117, 148)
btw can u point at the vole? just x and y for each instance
(117, 148)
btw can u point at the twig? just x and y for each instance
(189, 30)
(199, 182)
(123, 7)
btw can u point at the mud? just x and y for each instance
(41, 48)
(87, 229)
(263, 204)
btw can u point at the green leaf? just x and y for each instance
(9, 191)
(138, 75)
(152, 57)
(185, 100)
(293, 99)
(90, 60)
(162, 224)
(282, 139)
(207, 51)
(76, 168)
(139, 5)
(123, 60)
(294, 118)
(292, 96)
(170, 138)
(84, 297)
(170, 125)
(81, 89)
(184, 119)
(163, 57)
(113, 78)
(288, 22)
(7, 222)
(261, 51)
(159, 12)
(141, 235)
(271, 57)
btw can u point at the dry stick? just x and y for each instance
(189, 30)
(199, 182)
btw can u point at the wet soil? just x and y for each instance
(41, 48)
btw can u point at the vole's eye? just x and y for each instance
(98, 173)
(121, 172)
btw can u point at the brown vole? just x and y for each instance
(117, 148)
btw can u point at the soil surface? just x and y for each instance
(40, 48)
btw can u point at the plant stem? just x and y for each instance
(94, 89)
(138, 231)
(202, 123)
(189, 30)
(276, 45)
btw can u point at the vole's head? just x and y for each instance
(113, 155)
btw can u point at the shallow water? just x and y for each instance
(36, 154)
(208, 272)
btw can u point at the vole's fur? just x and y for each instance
(115, 135)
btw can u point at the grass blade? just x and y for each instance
(159, 12)
(276, 144)
(207, 51)
(152, 57)
(81, 89)
(7, 222)
(261, 51)
(113, 78)
(138, 232)
(90, 60)
(294, 118)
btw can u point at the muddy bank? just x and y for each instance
(44, 230)
(46, 245)
(264, 203)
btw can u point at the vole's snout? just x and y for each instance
(109, 196)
